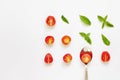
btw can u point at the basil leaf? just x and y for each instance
(88, 34)
(100, 18)
(64, 19)
(85, 20)
(82, 34)
(109, 24)
(104, 21)
(105, 40)
(86, 37)
(88, 40)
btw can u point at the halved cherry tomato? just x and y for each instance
(50, 21)
(67, 58)
(85, 56)
(105, 57)
(49, 40)
(66, 39)
(48, 58)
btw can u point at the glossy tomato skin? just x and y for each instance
(105, 57)
(49, 40)
(85, 56)
(66, 39)
(67, 58)
(50, 21)
(48, 58)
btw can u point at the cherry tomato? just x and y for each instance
(105, 57)
(66, 39)
(49, 40)
(67, 58)
(50, 21)
(85, 56)
(48, 58)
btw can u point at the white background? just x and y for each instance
(23, 29)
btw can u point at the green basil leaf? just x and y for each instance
(109, 24)
(88, 34)
(104, 21)
(105, 40)
(85, 20)
(88, 40)
(100, 18)
(64, 19)
(82, 34)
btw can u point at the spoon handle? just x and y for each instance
(86, 73)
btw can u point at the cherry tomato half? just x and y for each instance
(66, 39)
(50, 21)
(67, 58)
(85, 56)
(48, 58)
(49, 40)
(105, 57)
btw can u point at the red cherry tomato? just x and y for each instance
(50, 21)
(49, 40)
(48, 58)
(85, 56)
(66, 39)
(67, 58)
(105, 57)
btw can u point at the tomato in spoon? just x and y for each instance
(86, 55)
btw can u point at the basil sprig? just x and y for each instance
(104, 21)
(86, 37)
